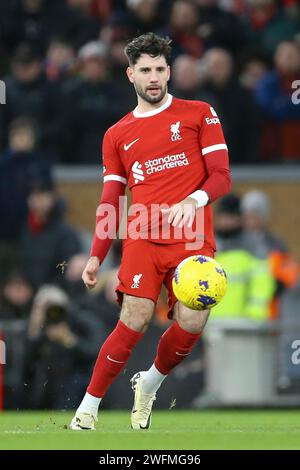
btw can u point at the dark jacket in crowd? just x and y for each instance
(44, 250)
(50, 19)
(18, 171)
(240, 119)
(37, 100)
(88, 109)
(224, 28)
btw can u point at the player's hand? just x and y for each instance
(89, 275)
(182, 213)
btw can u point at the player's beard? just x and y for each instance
(148, 98)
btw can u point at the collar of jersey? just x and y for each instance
(156, 110)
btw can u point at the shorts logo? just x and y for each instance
(138, 173)
(136, 281)
(175, 131)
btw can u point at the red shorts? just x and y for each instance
(145, 266)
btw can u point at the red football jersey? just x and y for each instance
(161, 155)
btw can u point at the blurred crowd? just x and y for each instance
(63, 65)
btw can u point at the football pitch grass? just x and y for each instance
(209, 429)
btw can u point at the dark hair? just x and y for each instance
(230, 204)
(150, 44)
(21, 123)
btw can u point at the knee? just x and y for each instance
(137, 313)
(190, 325)
(136, 323)
(193, 322)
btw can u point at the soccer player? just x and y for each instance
(168, 151)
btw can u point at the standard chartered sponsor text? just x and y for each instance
(167, 162)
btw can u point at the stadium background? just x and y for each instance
(63, 67)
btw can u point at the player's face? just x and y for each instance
(150, 76)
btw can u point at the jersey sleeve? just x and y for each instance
(211, 137)
(215, 154)
(113, 169)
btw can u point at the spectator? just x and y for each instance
(233, 104)
(182, 29)
(101, 9)
(60, 60)
(61, 347)
(145, 15)
(256, 210)
(219, 28)
(274, 96)
(31, 23)
(47, 242)
(254, 68)
(76, 22)
(90, 105)
(16, 297)
(115, 34)
(267, 25)
(250, 286)
(28, 93)
(186, 78)
(20, 165)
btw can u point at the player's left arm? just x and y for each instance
(215, 155)
(218, 183)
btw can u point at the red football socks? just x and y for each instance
(174, 346)
(112, 358)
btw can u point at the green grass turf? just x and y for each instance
(170, 430)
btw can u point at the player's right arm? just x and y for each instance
(114, 183)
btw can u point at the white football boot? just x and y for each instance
(83, 422)
(142, 407)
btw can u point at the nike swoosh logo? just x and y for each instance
(127, 146)
(113, 360)
(179, 354)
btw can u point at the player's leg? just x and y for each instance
(135, 316)
(175, 345)
(177, 341)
